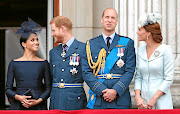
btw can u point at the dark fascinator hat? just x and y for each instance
(28, 27)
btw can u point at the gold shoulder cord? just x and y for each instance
(100, 62)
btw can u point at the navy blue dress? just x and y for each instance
(29, 75)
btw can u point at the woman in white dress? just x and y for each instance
(155, 66)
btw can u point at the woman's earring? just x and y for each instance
(147, 37)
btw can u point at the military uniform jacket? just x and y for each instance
(120, 85)
(155, 73)
(71, 98)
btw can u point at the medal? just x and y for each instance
(74, 60)
(63, 54)
(71, 60)
(120, 53)
(73, 71)
(77, 61)
(120, 63)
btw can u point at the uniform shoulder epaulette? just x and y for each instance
(95, 38)
(124, 36)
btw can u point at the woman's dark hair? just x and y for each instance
(23, 40)
(155, 31)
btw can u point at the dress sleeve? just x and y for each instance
(138, 76)
(10, 80)
(47, 80)
(168, 64)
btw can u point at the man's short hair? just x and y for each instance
(107, 9)
(62, 21)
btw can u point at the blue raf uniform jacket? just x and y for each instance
(121, 85)
(70, 98)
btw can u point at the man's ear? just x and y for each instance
(63, 28)
(101, 20)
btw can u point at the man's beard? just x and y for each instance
(58, 40)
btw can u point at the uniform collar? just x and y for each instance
(69, 42)
(113, 43)
(73, 48)
(111, 36)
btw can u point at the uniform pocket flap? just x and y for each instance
(76, 96)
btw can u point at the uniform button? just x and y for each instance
(108, 51)
(61, 80)
(62, 70)
(79, 98)
(96, 57)
(54, 65)
(64, 60)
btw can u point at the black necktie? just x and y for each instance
(65, 47)
(108, 42)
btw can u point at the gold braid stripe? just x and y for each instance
(100, 62)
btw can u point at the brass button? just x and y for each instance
(79, 98)
(61, 80)
(109, 76)
(61, 85)
(64, 60)
(62, 70)
(54, 65)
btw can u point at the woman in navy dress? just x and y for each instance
(31, 73)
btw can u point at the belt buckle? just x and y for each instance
(109, 76)
(61, 85)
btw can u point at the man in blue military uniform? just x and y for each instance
(108, 66)
(65, 63)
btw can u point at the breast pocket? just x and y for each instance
(95, 57)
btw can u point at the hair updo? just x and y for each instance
(155, 31)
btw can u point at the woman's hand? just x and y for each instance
(151, 103)
(141, 103)
(31, 102)
(21, 97)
